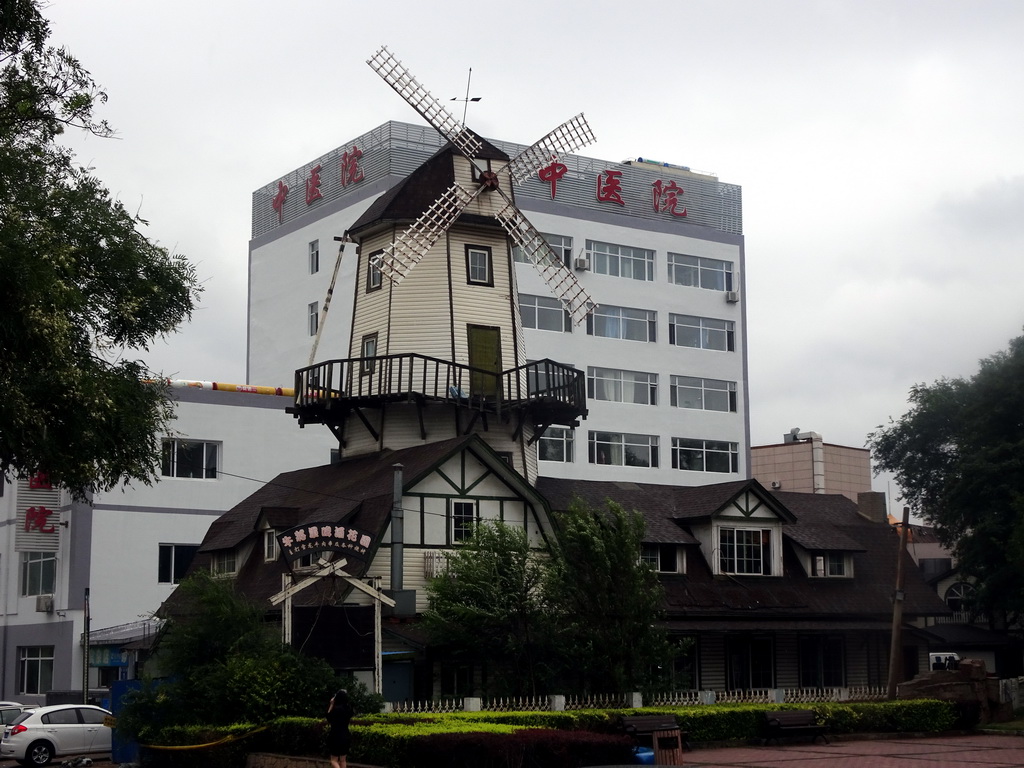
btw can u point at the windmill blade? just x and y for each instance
(397, 259)
(561, 281)
(430, 109)
(564, 140)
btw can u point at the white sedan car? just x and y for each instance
(38, 736)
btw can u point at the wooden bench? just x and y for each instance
(793, 722)
(660, 731)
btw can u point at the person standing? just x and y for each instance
(339, 714)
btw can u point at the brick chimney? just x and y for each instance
(871, 505)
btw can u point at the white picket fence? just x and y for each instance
(559, 703)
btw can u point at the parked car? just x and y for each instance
(39, 735)
(10, 710)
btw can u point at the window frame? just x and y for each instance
(561, 245)
(374, 275)
(706, 332)
(612, 383)
(224, 562)
(473, 266)
(618, 444)
(700, 266)
(699, 448)
(271, 551)
(461, 524)
(169, 461)
(741, 550)
(608, 317)
(533, 305)
(175, 570)
(314, 256)
(617, 260)
(663, 558)
(38, 569)
(677, 386)
(313, 317)
(830, 564)
(43, 670)
(368, 362)
(562, 442)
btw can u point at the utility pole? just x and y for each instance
(896, 645)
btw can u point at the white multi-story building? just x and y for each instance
(117, 558)
(658, 247)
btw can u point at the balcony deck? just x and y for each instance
(541, 393)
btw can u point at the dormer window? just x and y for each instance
(745, 551)
(663, 558)
(224, 563)
(830, 564)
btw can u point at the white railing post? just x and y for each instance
(556, 702)
(707, 697)
(778, 695)
(472, 704)
(636, 700)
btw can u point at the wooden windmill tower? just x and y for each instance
(437, 345)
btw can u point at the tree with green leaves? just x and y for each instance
(487, 609)
(83, 290)
(958, 456)
(220, 663)
(605, 602)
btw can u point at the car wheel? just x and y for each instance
(39, 753)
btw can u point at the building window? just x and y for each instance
(374, 276)
(463, 520)
(369, 352)
(479, 266)
(270, 550)
(663, 558)
(313, 317)
(621, 260)
(35, 668)
(622, 386)
(314, 257)
(556, 445)
(705, 455)
(701, 332)
(623, 323)
(745, 551)
(560, 244)
(223, 563)
(38, 573)
(750, 662)
(189, 458)
(699, 272)
(703, 394)
(173, 562)
(623, 449)
(830, 564)
(544, 313)
(822, 660)
(960, 596)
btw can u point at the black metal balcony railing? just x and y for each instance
(555, 392)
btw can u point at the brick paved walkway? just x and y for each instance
(974, 751)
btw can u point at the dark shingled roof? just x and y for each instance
(411, 196)
(815, 521)
(356, 491)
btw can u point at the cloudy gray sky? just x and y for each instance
(879, 146)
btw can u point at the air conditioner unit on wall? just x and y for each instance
(732, 296)
(581, 263)
(44, 603)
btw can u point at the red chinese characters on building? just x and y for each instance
(313, 185)
(609, 187)
(351, 173)
(39, 481)
(279, 198)
(38, 519)
(666, 198)
(551, 174)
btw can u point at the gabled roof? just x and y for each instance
(357, 491)
(410, 197)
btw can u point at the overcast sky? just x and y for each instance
(879, 146)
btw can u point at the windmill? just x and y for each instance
(398, 259)
(432, 338)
